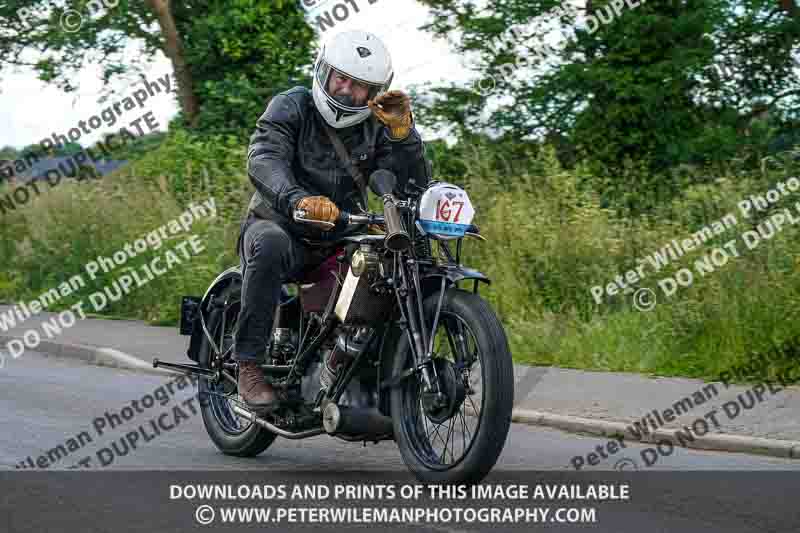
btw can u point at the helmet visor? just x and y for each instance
(346, 90)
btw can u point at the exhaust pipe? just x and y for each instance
(252, 417)
(355, 420)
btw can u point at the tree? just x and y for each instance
(639, 83)
(223, 54)
(8, 153)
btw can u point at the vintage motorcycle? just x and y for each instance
(419, 360)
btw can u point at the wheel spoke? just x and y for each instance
(453, 442)
(449, 432)
(463, 433)
(429, 444)
(466, 427)
(443, 457)
(422, 414)
(477, 413)
(456, 347)
(436, 430)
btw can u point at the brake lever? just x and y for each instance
(299, 215)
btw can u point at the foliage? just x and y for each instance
(8, 153)
(137, 148)
(237, 53)
(41, 247)
(188, 165)
(583, 165)
(644, 87)
(242, 53)
(549, 241)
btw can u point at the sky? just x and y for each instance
(31, 110)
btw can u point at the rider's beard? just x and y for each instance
(346, 99)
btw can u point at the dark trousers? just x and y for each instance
(269, 256)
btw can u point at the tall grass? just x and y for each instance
(550, 241)
(54, 236)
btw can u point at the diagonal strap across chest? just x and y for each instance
(344, 157)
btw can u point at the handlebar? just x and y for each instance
(355, 220)
(396, 236)
(345, 218)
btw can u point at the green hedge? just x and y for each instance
(551, 238)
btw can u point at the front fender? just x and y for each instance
(431, 281)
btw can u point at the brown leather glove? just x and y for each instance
(319, 208)
(393, 108)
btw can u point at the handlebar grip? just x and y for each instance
(397, 238)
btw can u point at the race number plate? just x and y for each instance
(445, 211)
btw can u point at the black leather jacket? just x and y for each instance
(291, 156)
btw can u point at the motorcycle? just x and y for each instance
(418, 359)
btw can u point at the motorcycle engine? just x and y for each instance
(361, 390)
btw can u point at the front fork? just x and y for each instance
(421, 341)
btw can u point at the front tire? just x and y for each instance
(472, 334)
(231, 434)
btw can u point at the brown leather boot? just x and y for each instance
(256, 393)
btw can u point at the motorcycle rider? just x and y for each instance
(293, 164)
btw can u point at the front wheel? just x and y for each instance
(457, 437)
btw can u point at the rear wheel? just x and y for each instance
(457, 440)
(232, 434)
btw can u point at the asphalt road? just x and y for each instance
(46, 401)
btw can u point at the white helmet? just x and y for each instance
(361, 56)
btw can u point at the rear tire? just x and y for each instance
(411, 421)
(248, 439)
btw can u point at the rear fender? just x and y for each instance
(220, 283)
(209, 302)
